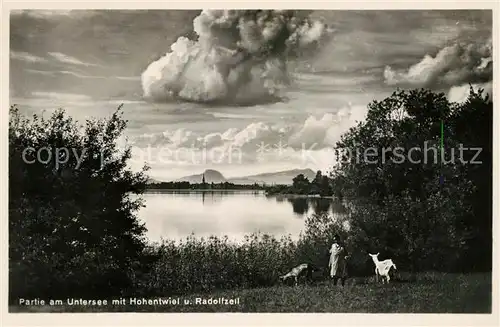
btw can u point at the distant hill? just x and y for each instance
(211, 176)
(281, 177)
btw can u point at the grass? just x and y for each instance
(422, 293)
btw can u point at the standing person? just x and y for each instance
(338, 261)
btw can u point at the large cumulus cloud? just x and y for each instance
(454, 65)
(234, 49)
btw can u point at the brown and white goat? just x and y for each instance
(304, 269)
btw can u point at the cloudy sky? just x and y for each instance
(88, 62)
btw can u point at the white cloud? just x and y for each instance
(453, 65)
(60, 96)
(128, 78)
(78, 75)
(236, 115)
(259, 144)
(61, 57)
(460, 93)
(41, 13)
(41, 72)
(324, 132)
(27, 57)
(60, 72)
(49, 14)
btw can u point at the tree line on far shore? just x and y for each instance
(321, 185)
(203, 186)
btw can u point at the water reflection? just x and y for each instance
(338, 206)
(300, 205)
(175, 214)
(321, 205)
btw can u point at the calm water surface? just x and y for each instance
(177, 214)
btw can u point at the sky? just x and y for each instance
(89, 62)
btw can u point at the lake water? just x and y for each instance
(177, 214)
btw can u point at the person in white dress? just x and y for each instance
(338, 261)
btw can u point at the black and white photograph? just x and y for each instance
(250, 161)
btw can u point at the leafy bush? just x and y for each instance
(196, 265)
(72, 228)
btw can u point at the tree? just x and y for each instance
(300, 184)
(471, 124)
(318, 177)
(325, 186)
(316, 183)
(399, 206)
(72, 224)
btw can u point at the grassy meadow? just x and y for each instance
(420, 293)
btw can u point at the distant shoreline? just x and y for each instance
(277, 195)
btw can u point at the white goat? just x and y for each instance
(382, 267)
